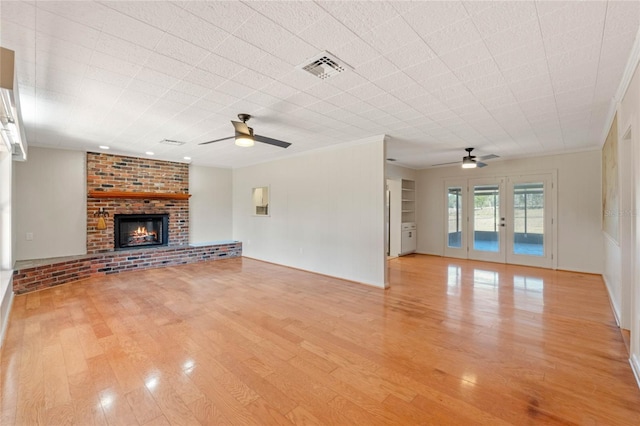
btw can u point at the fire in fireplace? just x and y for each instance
(141, 230)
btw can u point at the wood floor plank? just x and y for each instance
(125, 371)
(56, 384)
(354, 414)
(89, 341)
(172, 406)
(101, 374)
(74, 359)
(158, 421)
(88, 412)
(116, 408)
(143, 405)
(229, 407)
(300, 416)
(347, 391)
(182, 384)
(267, 414)
(30, 408)
(246, 342)
(61, 414)
(9, 381)
(260, 384)
(207, 413)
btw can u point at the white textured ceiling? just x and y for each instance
(511, 78)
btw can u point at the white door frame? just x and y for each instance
(489, 256)
(547, 260)
(551, 223)
(458, 252)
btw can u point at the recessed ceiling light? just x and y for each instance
(103, 147)
(187, 158)
(149, 153)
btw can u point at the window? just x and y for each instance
(455, 217)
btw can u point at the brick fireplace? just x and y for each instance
(145, 189)
(139, 183)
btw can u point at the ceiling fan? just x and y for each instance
(471, 161)
(244, 135)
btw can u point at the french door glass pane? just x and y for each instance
(528, 219)
(455, 217)
(486, 218)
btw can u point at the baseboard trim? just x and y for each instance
(5, 321)
(635, 367)
(614, 308)
(386, 285)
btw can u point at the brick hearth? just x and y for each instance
(30, 276)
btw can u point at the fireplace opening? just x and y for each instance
(140, 230)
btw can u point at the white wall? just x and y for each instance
(625, 258)
(210, 206)
(579, 205)
(50, 202)
(326, 212)
(396, 172)
(6, 241)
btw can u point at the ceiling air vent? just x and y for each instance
(172, 142)
(324, 65)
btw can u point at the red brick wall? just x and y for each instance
(106, 172)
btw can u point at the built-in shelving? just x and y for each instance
(408, 211)
(402, 217)
(408, 200)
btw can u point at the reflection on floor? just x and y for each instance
(518, 248)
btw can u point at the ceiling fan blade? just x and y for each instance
(217, 140)
(270, 141)
(445, 164)
(241, 127)
(481, 164)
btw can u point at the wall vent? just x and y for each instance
(324, 65)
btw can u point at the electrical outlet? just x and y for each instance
(301, 251)
(29, 236)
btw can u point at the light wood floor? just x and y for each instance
(244, 342)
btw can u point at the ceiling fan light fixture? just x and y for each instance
(244, 141)
(244, 136)
(468, 163)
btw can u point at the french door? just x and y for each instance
(506, 219)
(486, 220)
